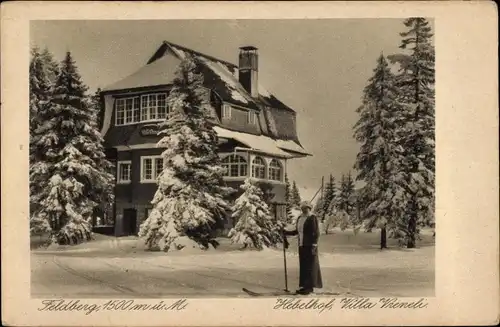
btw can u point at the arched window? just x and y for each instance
(275, 170)
(258, 168)
(235, 165)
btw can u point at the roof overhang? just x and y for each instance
(262, 144)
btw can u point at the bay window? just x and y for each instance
(236, 166)
(258, 168)
(275, 170)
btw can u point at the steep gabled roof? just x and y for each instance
(221, 77)
(159, 72)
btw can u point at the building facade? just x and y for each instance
(257, 132)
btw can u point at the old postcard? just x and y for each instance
(277, 163)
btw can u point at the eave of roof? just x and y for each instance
(129, 135)
(263, 144)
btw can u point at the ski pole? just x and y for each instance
(284, 260)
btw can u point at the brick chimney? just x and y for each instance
(249, 70)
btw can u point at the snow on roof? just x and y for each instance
(237, 91)
(159, 72)
(228, 74)
(258, 143)
(290, 146)
(222, 78)
(179, 52)
(263, 92)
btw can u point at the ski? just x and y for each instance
(276, 293)
(289, 293)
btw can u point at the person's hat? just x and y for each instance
(305, 204)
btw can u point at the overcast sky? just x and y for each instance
(317, 67)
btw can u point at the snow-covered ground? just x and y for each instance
(110, 267)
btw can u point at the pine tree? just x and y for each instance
(95, 102)
(190, 199)
(329, 196)
(39, 86)
(267, 192)
(39, 89)
(345, 194)
(51, 65)
(296, 195)
(416, 84)
(255, 226)
(318, 206)
(379, 160)
(343, 214)
(331, 210)
(288, 199)
(71, 169)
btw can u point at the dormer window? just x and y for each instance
(226, 111)
(251, 117)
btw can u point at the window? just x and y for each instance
(235, 165)
(137, 110)
(120, 112)
(127, 111)
(151, 167)
(162, 106)
(275, 170)
(124, 169)
(154, 106)
(145, 108)
(226, 111)
(251, 117)
(258, 168)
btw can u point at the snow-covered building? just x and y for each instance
(257, 132)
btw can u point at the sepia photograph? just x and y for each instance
(214, 163)
(232, 158)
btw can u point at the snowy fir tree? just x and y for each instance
(190, 202)
(71, 169)
(346, 194)
(267, 191)
(255, 226)
(296, 195)
(95, 103)
(51, 65)
(329, 196)
(379, 160)
(342, 213)
(39, 84)
(288, 199)
(39, 91)
(318, 206)
(416, 137)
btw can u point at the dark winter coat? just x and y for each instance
(310, 272)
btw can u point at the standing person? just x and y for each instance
(307, 230)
